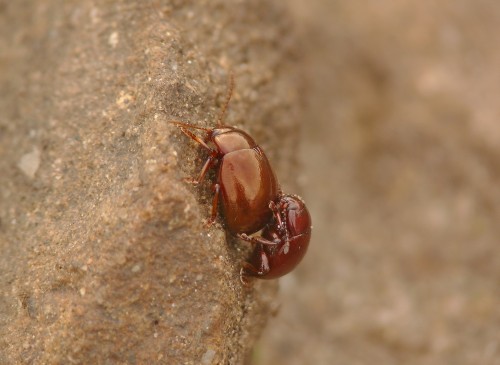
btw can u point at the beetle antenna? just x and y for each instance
(186, 125)
(228, 97)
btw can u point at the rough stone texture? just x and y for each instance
(401, 164)
(104, 257)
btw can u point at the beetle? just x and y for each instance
(252, 199)
(245, 182)
(283, 242)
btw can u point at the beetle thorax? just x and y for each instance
(229, 139)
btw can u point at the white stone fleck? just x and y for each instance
(208, 357)
(113, 39)
(124, 100)
(30, 162)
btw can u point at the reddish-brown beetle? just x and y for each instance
(252, 200)
(245, 180)
(283, 242)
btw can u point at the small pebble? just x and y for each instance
(208, 357)
(30, 163)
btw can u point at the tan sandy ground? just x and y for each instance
(402, 174)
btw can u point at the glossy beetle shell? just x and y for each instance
(247, 185)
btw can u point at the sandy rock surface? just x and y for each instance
(104, 257)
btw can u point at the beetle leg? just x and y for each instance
(215, 202)
(257, 240)
(208, 164)
(248, 270)
(276, 213)
(244, 278)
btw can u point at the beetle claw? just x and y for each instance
(245, 279)
(191, 180)
(243, 236)
(208, 223)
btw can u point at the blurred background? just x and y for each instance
(401, 172)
